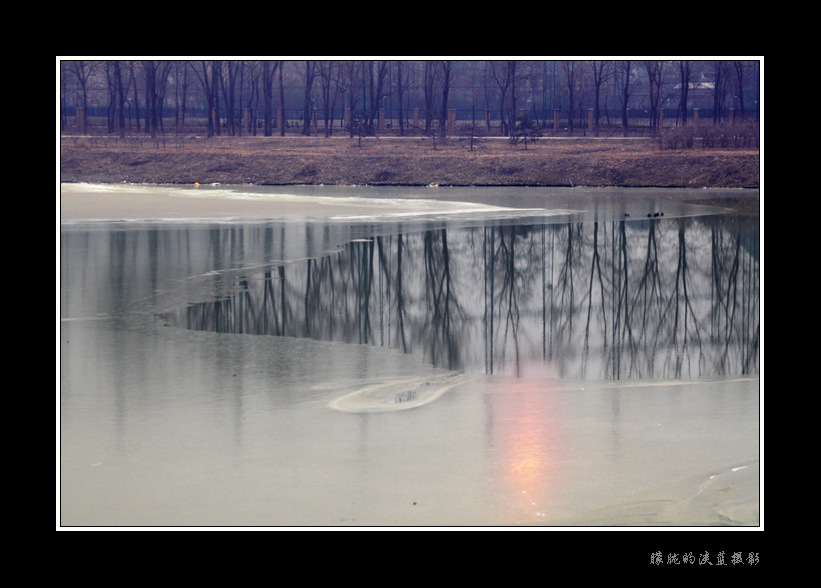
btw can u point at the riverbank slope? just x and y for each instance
(395, 161)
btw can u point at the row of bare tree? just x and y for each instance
(135, 93)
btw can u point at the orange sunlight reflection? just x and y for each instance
(527, 436)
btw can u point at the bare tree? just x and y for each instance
(377, 77)
(685, 70)
(654, 69)
(350, 81)
(207, 73)
(487, 90)
(601, 71)
(111, 109)
(720, 78)
(626, 70)
(181, 90)
(150, 80)
(82, 71)
(229, 76)
(282, 118)
(329, 91)
(443, 117)
(504, 74)
(133, 86)
(253, 69)
(269, 69)
(571, 75)
(738, 67)
(429, 84)
(308, 105)
(400, 96)
(163, 72)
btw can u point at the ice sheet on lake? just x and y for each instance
(368, 208)
(727, 498)
(125, 202)
(171, 426)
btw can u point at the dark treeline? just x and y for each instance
(270, 97)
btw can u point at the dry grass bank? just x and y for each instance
(393, 161)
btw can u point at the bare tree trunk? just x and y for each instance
(685, 68)
(570, 71)
(208, 75)
(282, 117)
(625, 96)
(268, 95)
(443, 115)
(150, 72)
(307, 107)
(429, 78)
(118, 82)
(216, 76)
(600, 74)
(719, 90)
(329, 88)
(181, 91)
(654, 81)
(400, 97)
(229, 95)
(739, 72)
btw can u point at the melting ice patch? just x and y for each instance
(341, 206)
(398, 394)
(371, 207)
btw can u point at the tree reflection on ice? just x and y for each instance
(658, 298)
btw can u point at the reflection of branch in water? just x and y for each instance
(680, 353)
(384, 287)
(595, 268)
(622, 328)
(268, 317)
(735, 292)
(648, 295)
(361, 267)
(489, 261)
(565, 290)
(284, 306)
(401, 311)
(508, 294)
(441, 301)
(544, 288)
(514, 271)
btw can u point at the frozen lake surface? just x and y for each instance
(329, 356)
